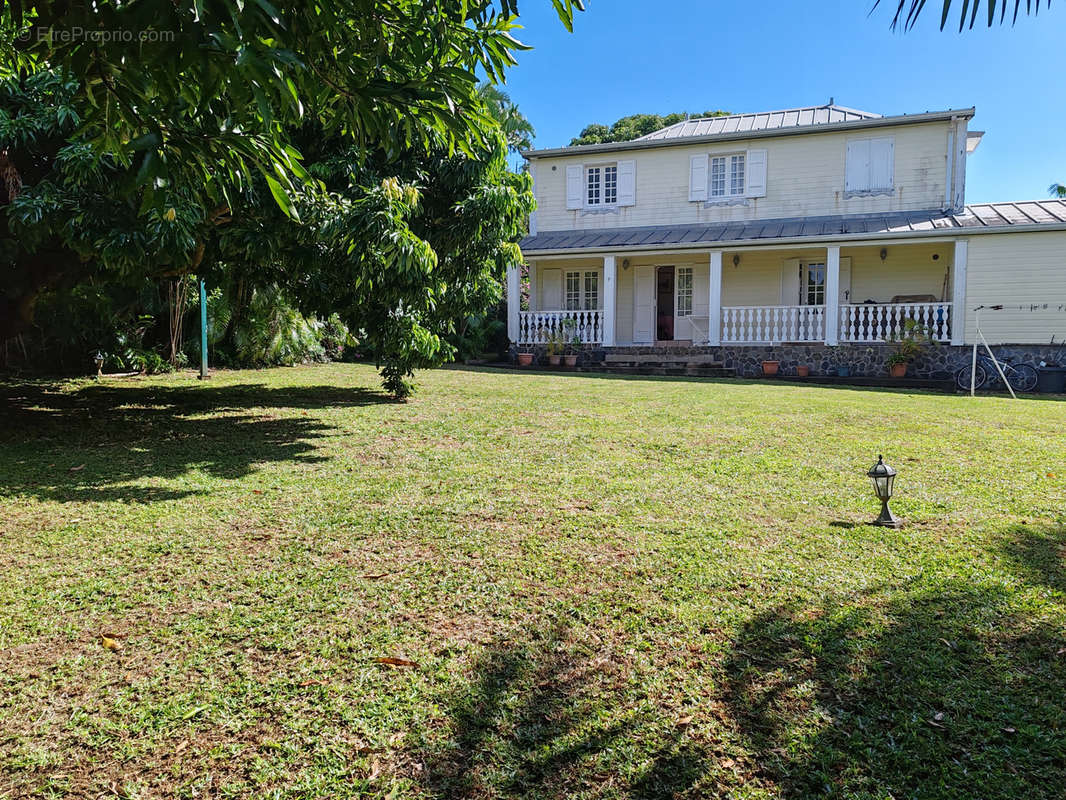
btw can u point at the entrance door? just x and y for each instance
(643, 305)
(664, 295)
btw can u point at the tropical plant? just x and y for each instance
(634, 126)
(908, 342)
(517, 130)
(1057, 190)
(908, 11)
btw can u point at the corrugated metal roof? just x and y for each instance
(975, 218)
(760, 121)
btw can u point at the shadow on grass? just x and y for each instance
(84, 445)
(940, 694)
(1039, 552)
(531, 724)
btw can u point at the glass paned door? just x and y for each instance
(812, 284)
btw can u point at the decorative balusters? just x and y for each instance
(538, 327)
(881, 322)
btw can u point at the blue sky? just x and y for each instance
(636, 56)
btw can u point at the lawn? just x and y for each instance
(591, 587)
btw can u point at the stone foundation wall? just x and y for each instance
(937, 362)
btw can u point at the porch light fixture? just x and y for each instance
(625, 263)
(883, 477)
(736, 259)
(98, 360)
(884, 253)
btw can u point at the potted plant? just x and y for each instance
(909, 343)
(555, 348)
(803, 370)
(770, 368)
(570, 358)
(525, 359)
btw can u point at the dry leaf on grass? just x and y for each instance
(77, 468)
(110, 642)
(395, 662)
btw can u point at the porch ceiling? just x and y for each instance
(987, 217)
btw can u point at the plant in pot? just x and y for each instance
(803, 370)
(555, 348)
(908, 345)
(770, 367)
(570, 359)
(525, 359)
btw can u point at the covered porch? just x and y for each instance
(863, 292)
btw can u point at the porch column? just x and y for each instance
(832, 295)
(714, 300)
(514, 301)
(532, 273)
(957, 314)
(610, 280)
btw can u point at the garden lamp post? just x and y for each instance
(883, 477)
(98, 360)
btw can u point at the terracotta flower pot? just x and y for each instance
(770, 367)
(803, 370)
(570, 361)
(898, 370)
(554, 360)
(525, 359)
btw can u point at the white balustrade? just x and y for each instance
(882, 322)
(763, 324)
(538, 327)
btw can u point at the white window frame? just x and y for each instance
(683, 291)
(586, 295)
(805, 268)
(729, 162)
(602, 185)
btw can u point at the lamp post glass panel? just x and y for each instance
(883, 478)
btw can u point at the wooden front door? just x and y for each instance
(664, 296)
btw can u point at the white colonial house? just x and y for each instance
(820, 226)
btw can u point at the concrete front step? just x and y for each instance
(659, 358)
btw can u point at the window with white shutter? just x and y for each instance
(870, 166)
(697, 178)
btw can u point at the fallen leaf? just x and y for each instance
(312, 683)
(110, 642)
(374, 577)
(257, 491)
(190, 714)
(685, 721)
(77, 468)
(395, 662)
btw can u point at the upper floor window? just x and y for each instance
(870, 165)
(727, 175)
(602, 185)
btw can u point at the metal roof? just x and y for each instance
(978, 218)
(760, 121)
(855, 120)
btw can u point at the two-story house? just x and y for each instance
(809, 231)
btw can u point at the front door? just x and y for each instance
(643, 305)
(664, 297)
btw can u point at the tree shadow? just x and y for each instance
(1039, 551)
(530, 723)
(942, 693)
(97, 443)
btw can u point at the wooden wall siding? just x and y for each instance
(1017, 269)
(805, 177)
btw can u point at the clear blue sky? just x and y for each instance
(637, 56)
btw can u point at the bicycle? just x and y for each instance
(1021, 377)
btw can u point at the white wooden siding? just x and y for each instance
(1017, 269)
(805, 177)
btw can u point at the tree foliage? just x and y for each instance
(517, 130)
(634, 126)
(908, 11)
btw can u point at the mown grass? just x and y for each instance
(610, 588)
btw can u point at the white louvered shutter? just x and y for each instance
(881, 163)
(627, 183)
(857, 170)
(790, 281)
(697, 178)
(756, 173)
(845, 279)
(575, 174)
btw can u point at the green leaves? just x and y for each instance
(908, 12)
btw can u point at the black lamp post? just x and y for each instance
(98, 360)
(883, 476)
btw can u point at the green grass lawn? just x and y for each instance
(607, 587)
